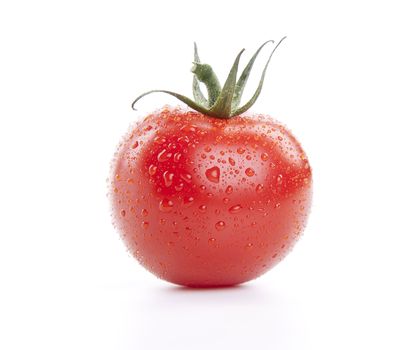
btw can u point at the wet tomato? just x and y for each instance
(211, 197)
(204, 202)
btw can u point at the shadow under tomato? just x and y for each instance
(243, 316)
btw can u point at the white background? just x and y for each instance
(346, 81)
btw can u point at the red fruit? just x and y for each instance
(204, 201)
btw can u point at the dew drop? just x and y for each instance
(122, 213)
(279, 179)
(168, 178)
(166, 205)
(212, 240)
(225, 200)
(177, 157)
(213, 174)
(202, 208)
(220, 225)
(240, 150)
(179, 187)
(277, 206)
(248, 157)
(229, 189)
(249, 245)
(187, 177)
(160, 140)
(249, 172)
(235, 209)
(207, 149)
(164, 155)
(152, 170)
(145, 225)
(259, 188)
(231, 161)
(188, 201)
(144, 212)
(264, 156)
(135, 145)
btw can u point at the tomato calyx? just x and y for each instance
(222, 103)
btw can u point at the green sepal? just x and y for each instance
(249, 104)
(240, 85)
(197, 93)
(223, 106)
(182, 98)
(221, 103)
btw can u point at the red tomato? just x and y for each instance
(201, 201)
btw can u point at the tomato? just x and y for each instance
(203, 201)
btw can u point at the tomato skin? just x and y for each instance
(205, 202)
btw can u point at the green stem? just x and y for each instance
(206, 75)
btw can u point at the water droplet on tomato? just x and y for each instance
(249, 172)
(179, 187)
(152, 170)
(145, 225)
(177, 157)
(160, 140)
(212, 240)
(164, 155)
(264, 156)
(279, 179)
(168, 178)
(144, 212)
(235, 209)
(240, 150)
(248, 157)
(231, 161)
(207, 149)
(166, 205)
(277, 205)
(249, 245)
(259, 188)
(122, 213)
(202, 208)
(188, 201)
(229, 189)
(135, 145)
(187, 177)
(220, 225)
(213, 174)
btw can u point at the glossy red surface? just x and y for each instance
(206, 202)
